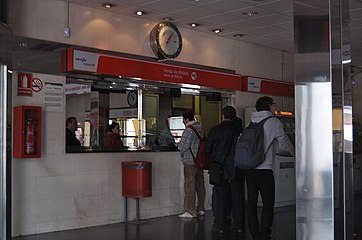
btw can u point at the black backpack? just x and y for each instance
(249, 150)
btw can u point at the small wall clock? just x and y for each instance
(132, 98)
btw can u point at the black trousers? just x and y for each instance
(230, 190)
(260, 181)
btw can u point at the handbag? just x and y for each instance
(215, 174)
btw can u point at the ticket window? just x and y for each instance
(156, 107)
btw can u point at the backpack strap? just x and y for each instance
(262, 123)
(197, 135)
(195, 131)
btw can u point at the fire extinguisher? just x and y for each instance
(30, 136)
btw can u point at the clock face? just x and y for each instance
(132, 98)
(166, 40)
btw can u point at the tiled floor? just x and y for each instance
(174, 228)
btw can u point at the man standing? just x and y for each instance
(220, 146)
(261, 179)
(194, 178)
(71, 127)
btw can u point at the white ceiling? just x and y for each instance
(272, 26)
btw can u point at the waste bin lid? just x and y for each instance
(137, 164)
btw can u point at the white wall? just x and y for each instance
(64, 191)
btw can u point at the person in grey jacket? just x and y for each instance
(261, 179)
(194, 178)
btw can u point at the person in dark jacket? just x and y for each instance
(71, 127)
(220, 146)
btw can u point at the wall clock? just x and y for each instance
(166, 40)
(132, 98)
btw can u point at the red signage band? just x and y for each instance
(267, 86)
(104, 64)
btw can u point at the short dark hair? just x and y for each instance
(263, 103)
(229, 112)
(189, 115)
(112, 126)
(69, 120)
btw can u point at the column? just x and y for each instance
(5, 187)
(324, 200)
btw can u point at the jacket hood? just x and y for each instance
(259, 116)
(197, 125)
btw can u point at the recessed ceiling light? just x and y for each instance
(167, 19)
(250, 13)
(107, 5)
(239, 35)
(193, 25)
(139, 13)
(217, 31)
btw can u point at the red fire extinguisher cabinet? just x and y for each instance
(137, 179)
(27, 132)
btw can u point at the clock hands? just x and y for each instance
(169, 37)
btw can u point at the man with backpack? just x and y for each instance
(194, 177)
(220, 145)
(261, 179)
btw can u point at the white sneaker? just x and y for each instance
(201, 213)
(185, 215)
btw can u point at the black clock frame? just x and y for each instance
(155, 41)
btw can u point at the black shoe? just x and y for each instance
(219, 231)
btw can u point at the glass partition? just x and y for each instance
(107, 119)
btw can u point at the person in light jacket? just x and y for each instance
(261, 179)
(194, 178)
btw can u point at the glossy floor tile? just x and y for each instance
(174, 228)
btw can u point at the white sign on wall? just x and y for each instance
(77, 89)
(254, 84)
(53, 97)
(85, 61)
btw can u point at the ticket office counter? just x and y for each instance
(149, 117)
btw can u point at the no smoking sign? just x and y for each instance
(36, 84)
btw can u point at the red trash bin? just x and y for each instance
(136, 179)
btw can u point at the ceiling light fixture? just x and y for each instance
(193, 25)
(9, 71)
(167, 19)
(239, 35)
(217, 31)
(251, 13)
(107, 5)
(139, 13)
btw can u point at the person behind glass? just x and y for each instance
(220, 146)
(194, 178)
(70, 128)
(261, 179)
(113, 138)
(165, 138)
